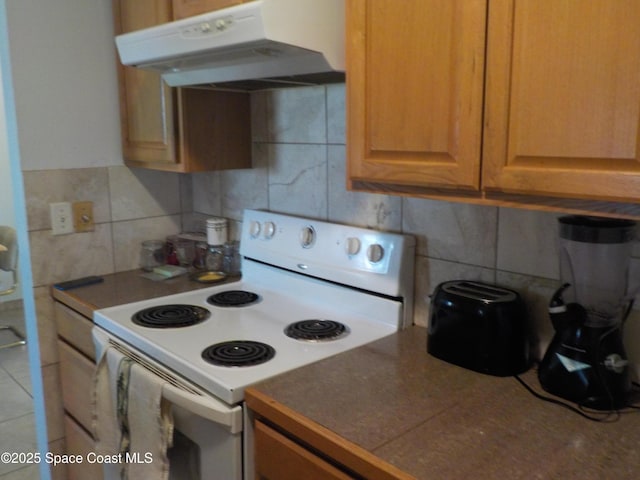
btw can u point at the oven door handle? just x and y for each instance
(205, 407)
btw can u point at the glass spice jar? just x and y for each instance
(151, 254)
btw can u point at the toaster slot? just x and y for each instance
(480, 292)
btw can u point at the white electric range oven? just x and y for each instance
(309, 290)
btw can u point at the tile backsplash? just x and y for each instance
(298, 168)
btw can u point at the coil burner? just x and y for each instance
(170, 316)
(316, 330)
(233, 298)
(238, 353)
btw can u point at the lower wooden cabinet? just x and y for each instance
(77, 365)
(279, 458)
(289, 446)
(76, 376)
(79, 442)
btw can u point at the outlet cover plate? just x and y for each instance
(61, 218)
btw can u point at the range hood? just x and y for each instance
(258, 44)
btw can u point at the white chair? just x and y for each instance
(9, 263)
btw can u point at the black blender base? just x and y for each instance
(603, 401)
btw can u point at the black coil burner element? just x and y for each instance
(233, 298)
(170, 316)
(316, 330)
(238, 353)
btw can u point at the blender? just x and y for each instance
(586, 361)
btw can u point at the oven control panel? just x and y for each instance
(337, 252)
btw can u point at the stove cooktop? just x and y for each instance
(180, 348)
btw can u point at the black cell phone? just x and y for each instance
(78, 282)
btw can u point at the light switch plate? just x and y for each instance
(83, 217)
(61, 218)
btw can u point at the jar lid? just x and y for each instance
(216, 222)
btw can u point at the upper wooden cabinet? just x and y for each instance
(176, 129)
(563, 98)
(554, 113)
(189, 8)
(415, 83)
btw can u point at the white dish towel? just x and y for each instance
(131, 423)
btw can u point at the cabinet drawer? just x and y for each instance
(279, 458)
(79, 442)
(76, 377)
(75, 329)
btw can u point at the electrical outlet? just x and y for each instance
(83, 217)
(61, 218)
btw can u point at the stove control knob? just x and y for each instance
(375, 252)
(254, 229)
(352, 246)
(307, 237)
(269, 230)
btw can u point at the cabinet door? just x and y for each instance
(79, 442)
(279, 458)
(147, 104)
(76, 374)
(75, 329)
(563, 98)
(414, 92)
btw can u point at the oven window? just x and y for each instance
(184, 458)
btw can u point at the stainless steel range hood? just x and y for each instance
(258, 44)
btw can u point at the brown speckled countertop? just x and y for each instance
(431, 419)
(438, 421)
(123, 287)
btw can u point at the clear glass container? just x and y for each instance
(231, 258)
(200, 259)
(152, 254)
(595, 257)
(214, 258)
(185, 251)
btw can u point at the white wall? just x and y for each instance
(63, 63)
(7, 216)
(7, 213)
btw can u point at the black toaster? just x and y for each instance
(480, 327)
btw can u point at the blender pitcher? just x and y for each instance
(586, 361)
(595, 256)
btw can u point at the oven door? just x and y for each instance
(207, 440)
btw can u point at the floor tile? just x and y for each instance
(27, 473)
(15, 401)
(15, 360)
(17, 435)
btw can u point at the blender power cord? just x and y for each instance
(607, 416)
